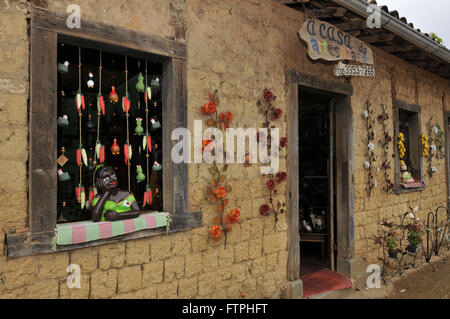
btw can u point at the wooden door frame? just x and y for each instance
(447, 155)
(344, 170)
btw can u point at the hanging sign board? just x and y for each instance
(327, 42)
(354, 70)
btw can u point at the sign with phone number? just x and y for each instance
(354, 70)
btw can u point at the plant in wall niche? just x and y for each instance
(218, 189)
(385, 142)
(371, 158)
(271, 114)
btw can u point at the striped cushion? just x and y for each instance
(85, 231)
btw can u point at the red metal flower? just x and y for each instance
(264, 210)
(276, 114)
(234, 216)
(221, 192)
(271, 184)
(268, 95)
(208, 108)
(283, 141)
(215, 232)
(281, 177)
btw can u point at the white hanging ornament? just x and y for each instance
(90, 82)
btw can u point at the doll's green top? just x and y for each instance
(123, 206)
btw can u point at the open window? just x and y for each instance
(166, 60)
(408, 150)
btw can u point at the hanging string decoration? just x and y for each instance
(81, 152)
(126, 104)
(99, 147)
(147, 143)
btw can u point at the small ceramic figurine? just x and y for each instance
(113, 96)
(139, 130)
(63, 67)
(90, 82)
(63, 176)
(63, 120)
(111, 204)
(307, 227)
(139, 174)
(115, 148)
(155, 123)
(140, 87)
(406, 176)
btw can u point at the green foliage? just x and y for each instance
(435, 37)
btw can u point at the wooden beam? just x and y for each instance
(293, 265)
(43, 131)
(47, 20)
(336, 12)
(378, 37)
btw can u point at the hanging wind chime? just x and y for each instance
(81, 152)
(126, 103)
(147, 143)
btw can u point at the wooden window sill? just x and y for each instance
(401, 190)
(26, 244)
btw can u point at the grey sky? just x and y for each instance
(428, 16)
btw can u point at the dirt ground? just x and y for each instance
(434, 285)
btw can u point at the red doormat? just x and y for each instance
(322, 281)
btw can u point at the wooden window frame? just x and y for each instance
(47, 28)
(401, 105)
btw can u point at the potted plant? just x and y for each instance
(414, 236)
(391, 244)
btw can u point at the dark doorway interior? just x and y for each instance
(316, 180)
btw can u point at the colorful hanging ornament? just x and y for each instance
(113, 96)
(126, 103)
(139, 130)
(148, 94)
(100, 152)
(63, 176)
(63, 120)
(63, 67)
(147, 142)
(115, 148)
(90, 82)
(148, 198)
(155, 123)
(139, 174)
(140, 87)
(62, 159)
(156, 166)
(127, 152)
(79, 101)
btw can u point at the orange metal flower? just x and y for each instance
(208, 108)
(215, 231)
(233, 216)
(205, 144)
(221, 192)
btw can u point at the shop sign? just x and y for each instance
(343, 69)
(327, 42)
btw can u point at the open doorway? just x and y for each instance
(317, 187)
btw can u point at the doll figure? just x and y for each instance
(406, 176)
(111, 204)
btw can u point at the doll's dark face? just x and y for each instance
(107, 181)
